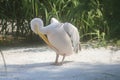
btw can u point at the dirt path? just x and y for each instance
(34, 63)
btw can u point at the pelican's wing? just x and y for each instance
(54, 20)
(73, 33)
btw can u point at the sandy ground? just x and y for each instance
(34, 63)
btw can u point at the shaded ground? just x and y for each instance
(34, 63)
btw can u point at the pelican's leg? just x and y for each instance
(63, 59)
(56, 60)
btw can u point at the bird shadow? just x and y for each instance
(78, 69)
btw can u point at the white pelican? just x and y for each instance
(63, 38)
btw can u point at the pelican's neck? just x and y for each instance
(40, 23)
(41, 28)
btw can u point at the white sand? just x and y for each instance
(34, 63)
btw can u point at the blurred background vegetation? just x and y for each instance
(97, 20)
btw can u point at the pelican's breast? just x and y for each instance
(60, 40)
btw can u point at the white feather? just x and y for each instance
(74, 35)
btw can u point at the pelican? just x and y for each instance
(63, 38)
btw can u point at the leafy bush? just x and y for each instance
(95, 19)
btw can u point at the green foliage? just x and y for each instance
(95, 19)
(112, 15)
(118, 43)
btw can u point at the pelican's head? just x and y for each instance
(36, 24)
(54, 20)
